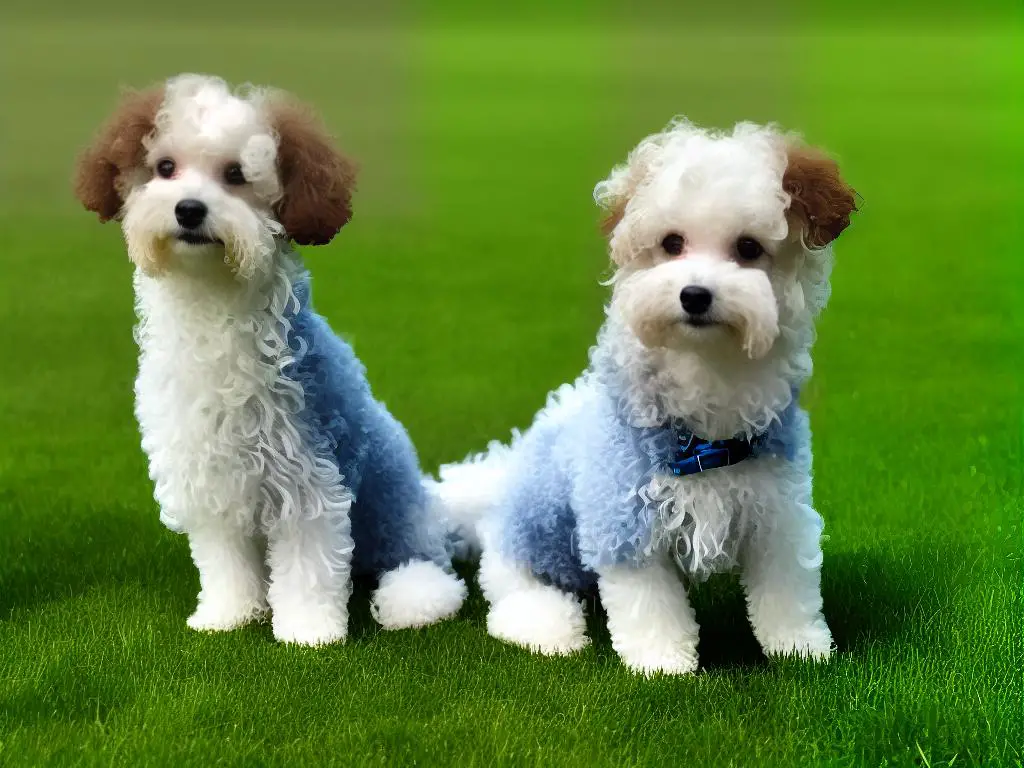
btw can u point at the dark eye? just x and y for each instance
(748, 249)
(233, 175)
(673, 244)
(165, 168)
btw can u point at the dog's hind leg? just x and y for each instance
(310, 579)
(231, 575)
(524, 610)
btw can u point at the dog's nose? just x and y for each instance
(190, 213)
(695, 299)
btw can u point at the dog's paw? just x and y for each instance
(220, 616)
(544, 620)
(813, 642)
(676, 659)
(416, 594)
(316, 627)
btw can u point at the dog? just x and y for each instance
(681, 450)
(265, 443)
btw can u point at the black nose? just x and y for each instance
(190, 213)
(695, 299)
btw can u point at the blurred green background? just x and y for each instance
(469, 283)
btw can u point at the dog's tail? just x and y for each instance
(466, 493)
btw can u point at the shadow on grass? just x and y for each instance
(70, 549)
(65, 691)
(871, 597)
(83, 548)
(876, 596)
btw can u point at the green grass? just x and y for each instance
(468, 283)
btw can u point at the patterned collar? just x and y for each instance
(695, 454)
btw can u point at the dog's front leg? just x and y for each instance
(231, 575)
(651, 622)
(310, 579)
(782, 577)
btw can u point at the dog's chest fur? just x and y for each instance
(218, 417)
(702, 520)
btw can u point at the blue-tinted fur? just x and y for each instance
(576, 499)
(376, 458)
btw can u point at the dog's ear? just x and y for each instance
(117, 149)
(613, 195)
(819, 195)
(316, 180)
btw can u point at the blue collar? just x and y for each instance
(695, 454)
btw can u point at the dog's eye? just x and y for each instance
(233, 175)
(748, 249)
(165, 168)
(673, 244)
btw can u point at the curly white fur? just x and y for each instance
(219, 422)
(227, 453)
(232, 453)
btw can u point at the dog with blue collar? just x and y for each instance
(682, 450)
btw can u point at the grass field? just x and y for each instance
(468, 282)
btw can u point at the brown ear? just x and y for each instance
(819, 195)
(612, 218)
(117, 149)
(316, 180)
(614, 193)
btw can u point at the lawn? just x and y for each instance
(468, 282)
